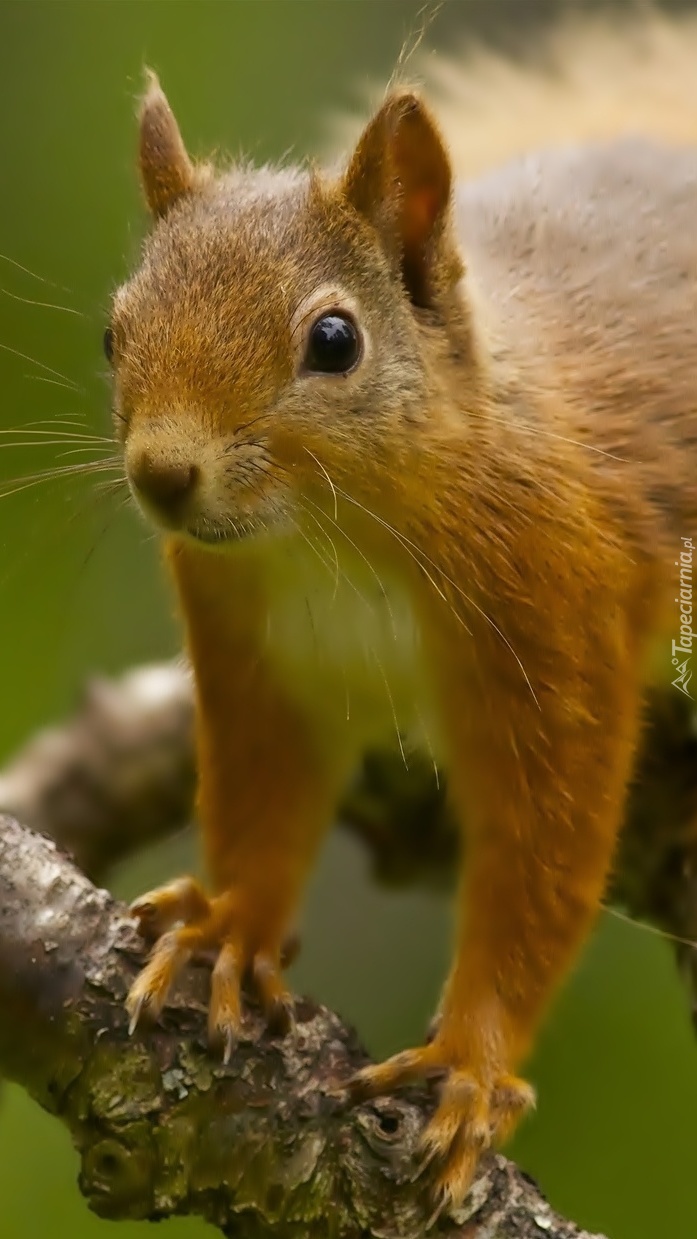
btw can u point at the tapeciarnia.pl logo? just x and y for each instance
(682, 649)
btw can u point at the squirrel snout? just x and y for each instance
(166, 485)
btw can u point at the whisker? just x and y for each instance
(87, 447)
(245, 426)
(313, 547)
(647, 928)
(46, 305)
(429, 746)
(107, 525)
(366, 561)
(41, 278)
(39, 378)
(392, 707)
(544, 433)
(330, 540)
(261, 466)
(56, 421)
(62, 471)
(434, 583)
(85, 500)
(111, 486)
(6, 348)
(414, 550)
(67, 436)
(389, 609)
(367, 604)
(77, 467)
(331, 484)
(344, 575)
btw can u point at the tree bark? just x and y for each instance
(262, 1147)
(116, 776)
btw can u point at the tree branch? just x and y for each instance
(262, 1147)
(116, 776)
(121, 773)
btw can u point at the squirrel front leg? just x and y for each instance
(538, 774)
(267, 788)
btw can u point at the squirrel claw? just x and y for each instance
(135, 1014)
(429, 1153)
(440, 1203)
(224, 1012)
(280, 1017)
(276, 1001)
(223, 1032)
(228, 1047)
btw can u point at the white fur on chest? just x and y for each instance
(346, 642)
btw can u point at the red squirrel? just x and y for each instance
(423, 453)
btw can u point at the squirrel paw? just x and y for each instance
(472, 1116)
(182, 921)
(474, 1112)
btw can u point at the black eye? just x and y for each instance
(108, 343)
(333, 346)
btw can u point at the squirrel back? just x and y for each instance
(584, 261)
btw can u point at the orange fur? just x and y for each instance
(471, 534)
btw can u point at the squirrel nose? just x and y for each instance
(165, 484)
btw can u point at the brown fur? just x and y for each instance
(513, 463)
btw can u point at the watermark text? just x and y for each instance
(682, 649)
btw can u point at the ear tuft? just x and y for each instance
(167, 173)
(401, 179)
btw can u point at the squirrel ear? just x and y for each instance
(401, 179)
(166, 171)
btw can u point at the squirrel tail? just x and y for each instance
(588, 78)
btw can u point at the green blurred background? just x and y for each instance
(615, 1137)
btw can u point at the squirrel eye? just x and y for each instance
(333, 346)
(108, 344)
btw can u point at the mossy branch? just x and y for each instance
(262, 1147)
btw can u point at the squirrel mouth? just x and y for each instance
(213, 535)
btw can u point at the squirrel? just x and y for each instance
(423, 453)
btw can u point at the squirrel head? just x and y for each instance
(280, 328)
